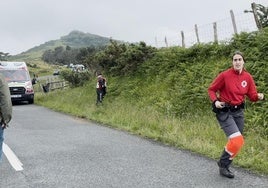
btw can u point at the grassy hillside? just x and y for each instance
(74, 39)
(166, 100)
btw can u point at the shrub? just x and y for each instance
(75, 78)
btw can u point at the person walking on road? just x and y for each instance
(227, 92)
(5, 110)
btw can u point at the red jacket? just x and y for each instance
(231, 87)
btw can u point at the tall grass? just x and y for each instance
(197, 133)
(165, 98)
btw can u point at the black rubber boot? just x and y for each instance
(224, 164)
(225, 171)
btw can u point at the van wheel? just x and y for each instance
(31, 101)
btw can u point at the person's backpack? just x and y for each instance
(101, 83)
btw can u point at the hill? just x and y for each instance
(75, 39)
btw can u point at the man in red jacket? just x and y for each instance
(227, 92)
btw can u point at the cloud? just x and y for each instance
(27, 23)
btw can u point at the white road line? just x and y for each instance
(12, 158)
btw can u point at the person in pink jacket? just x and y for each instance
(227, 93)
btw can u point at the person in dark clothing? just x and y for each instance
(100, 88)
(228, 92)
(5, 110)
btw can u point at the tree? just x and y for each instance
(121, 58)
(86, 56)
(60, 56)
(260, 13)
(3, 56)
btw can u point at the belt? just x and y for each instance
(233, 108)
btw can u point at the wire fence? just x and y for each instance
(225, 30)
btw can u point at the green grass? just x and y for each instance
(197, 133)
(173, 83)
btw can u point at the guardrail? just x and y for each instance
(54, 85)
(50, 84)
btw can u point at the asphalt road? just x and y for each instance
(60, 151)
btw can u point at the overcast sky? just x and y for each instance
(29, 23)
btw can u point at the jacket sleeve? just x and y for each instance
(252, 91)
(5, 101)
(215, 86)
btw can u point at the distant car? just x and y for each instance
(56, 72)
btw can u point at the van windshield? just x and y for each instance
(20, 75)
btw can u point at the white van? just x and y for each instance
(19, 81)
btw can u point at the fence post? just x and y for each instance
(215, 32)
(196, 33)
(233, 21)
(182, 39)
(254, 10)
(166, 41)
(156, 42)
